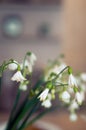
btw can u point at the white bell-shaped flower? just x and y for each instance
(44, 94)
(32, 58)
(46, 103)
(73, 117)
(28, 65)
(65, 96)
(83, 77)
(18, 77)
(74, 105)
(23, 87)
(79, 96)
(12, 66)
(72, 81)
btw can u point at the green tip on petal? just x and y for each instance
(29, 53)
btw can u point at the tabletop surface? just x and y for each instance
(57, 120)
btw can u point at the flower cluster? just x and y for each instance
(58, 79)
(70, 89)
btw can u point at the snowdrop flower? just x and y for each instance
(65, 96)
(74, 105)
(44, 94)
(13, 66)
(28, 65)
(23, 87)
(70, 90)
(46, 103)
(32, 58)
(56, 69)
(73, 117)
(79, 96)
(83, 77)
(18, 77)
(72, 81)
(83, 87)
(25, 64)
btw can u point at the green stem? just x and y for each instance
(24, 64)
(26, 108)
(10, 61)
(29, 115)
(60, 73)
(38, 117)
(0, 84)
(13, 109)
(60, 84)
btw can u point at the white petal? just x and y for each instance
(46, 103)
(28, 65)
(73, 105)
(73, 117)
(83, 77)
(13, 66)
(72, 81)
(44, 94)
(18, 77)
(32, 58)
(65, 97)
(23, 87)
(79, 97)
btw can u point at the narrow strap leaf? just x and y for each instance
(13, 109)
(39, 116)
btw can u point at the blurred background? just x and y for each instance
(47, 28)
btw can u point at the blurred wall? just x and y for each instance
(46, 44)
(75, 33)
(45, 47)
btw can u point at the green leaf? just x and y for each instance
(31, 112)
(27, 107)
(40, 115)
(13, 110)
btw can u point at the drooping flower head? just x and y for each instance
(18, 77)
(73, 117)
(83, 77)
(46, 103)
(28, 65)
(44, 94)
(23, 87)
(73, 105)
(72, 81)
(32, 58)
(79, 96)
(13, 66)
(65, 96)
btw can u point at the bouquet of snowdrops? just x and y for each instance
(57, 79)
